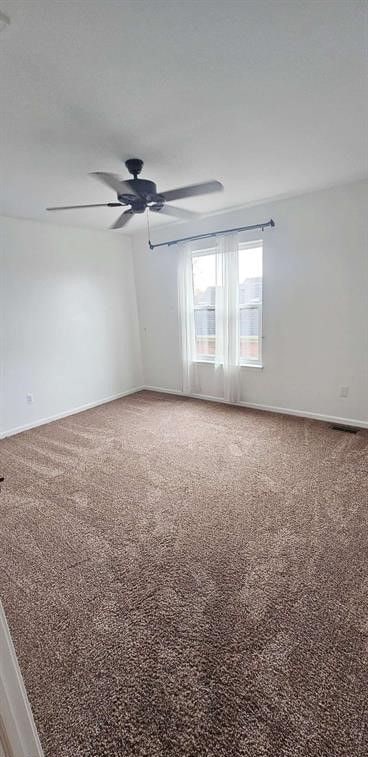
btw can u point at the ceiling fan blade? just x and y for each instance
(114, 182)
(123, 219)
(171, 210)
(95, 205)
(193, 190)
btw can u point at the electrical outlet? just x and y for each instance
(29, 398)
(344, 391)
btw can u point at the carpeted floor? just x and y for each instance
(186, 579)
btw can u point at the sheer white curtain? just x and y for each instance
(227, 315)
(186, 316)
(226, 360)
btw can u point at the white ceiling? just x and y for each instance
(269, 96)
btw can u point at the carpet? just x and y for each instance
(189, 579)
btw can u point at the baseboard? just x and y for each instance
(266, 408)
(66, 413)
(18, 731)
(208, 398)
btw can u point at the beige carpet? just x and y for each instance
(185, 579)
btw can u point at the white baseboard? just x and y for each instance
(267, 408)
(66, 413)
(18, 731)
(208, 398)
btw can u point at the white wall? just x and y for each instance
(70, 332)
(315, 304)
(69, 326)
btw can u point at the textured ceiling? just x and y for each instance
(267, 96)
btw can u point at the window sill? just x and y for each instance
(242, 365)
(251, 365)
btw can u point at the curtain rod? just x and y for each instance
(261, 226)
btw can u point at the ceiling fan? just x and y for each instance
(140, 194)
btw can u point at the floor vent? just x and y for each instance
(347, 429)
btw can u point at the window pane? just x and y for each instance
(250, 275)
(249, 335)
(204, 279)
(204, 292)
(250, 300)
(205, 331)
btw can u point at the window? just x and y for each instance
(204, 296)
(212, 284)
(250, 303)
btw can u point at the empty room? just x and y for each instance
(184, 378)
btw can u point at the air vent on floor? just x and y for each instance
(347, 429)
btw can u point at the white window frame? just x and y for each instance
(258, 306)
(245, 362)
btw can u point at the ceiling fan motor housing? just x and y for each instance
(143, 192)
